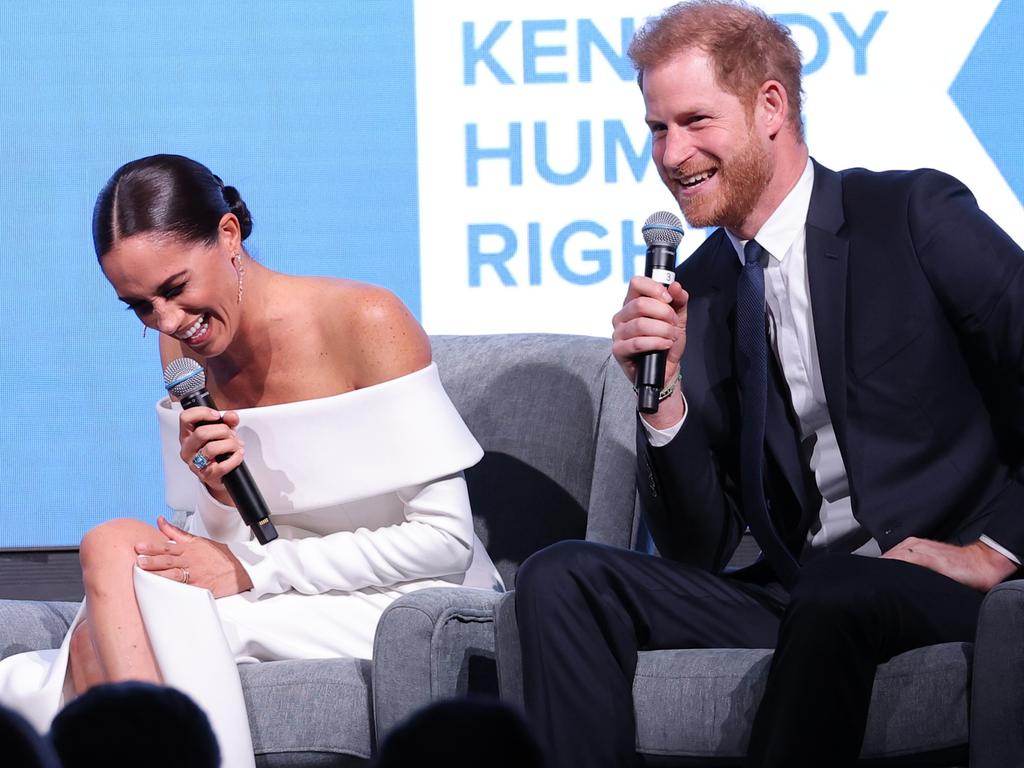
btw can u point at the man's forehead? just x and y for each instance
(688, 68)
(685, 76)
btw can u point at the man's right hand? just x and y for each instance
(652, 318)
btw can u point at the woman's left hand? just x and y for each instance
(193, 560)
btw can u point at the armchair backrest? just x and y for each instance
(556, 419)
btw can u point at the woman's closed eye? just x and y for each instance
(175, 290)
(142, 307)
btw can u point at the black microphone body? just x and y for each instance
(242, 488)
(662, 233)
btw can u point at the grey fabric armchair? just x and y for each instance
(943, 705)
(555, 418)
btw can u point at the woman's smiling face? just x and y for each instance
(187, 290)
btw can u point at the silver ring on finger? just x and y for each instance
(199, 461)
(184, 575)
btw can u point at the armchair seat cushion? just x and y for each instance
(310, 706)
(701, 703)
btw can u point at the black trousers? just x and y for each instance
(584, 610)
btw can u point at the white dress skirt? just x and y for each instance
(367, 494)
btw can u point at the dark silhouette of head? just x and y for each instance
(22, 745)
(460, 733)
(132, 724)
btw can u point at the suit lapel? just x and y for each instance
(827, 254)
(725, 272)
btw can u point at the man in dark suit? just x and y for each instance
(845, 359)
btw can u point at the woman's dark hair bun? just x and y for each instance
(238, 207)
(165, 194)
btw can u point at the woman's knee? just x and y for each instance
(112, 544)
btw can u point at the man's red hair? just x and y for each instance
(747, 47)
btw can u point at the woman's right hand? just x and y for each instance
(204, 431)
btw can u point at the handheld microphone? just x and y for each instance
(662, 232)
(186, 380)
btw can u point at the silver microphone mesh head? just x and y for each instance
(183, 377)
(663, 228)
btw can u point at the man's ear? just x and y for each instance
(772, 107)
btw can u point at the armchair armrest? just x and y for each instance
(432, 644)
(510, 659)
(33, 625)
(997, 689)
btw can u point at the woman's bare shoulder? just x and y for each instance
(382, 337)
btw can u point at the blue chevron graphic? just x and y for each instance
(989, 92)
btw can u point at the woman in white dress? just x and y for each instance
(335, 406)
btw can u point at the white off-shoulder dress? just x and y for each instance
(367, 494)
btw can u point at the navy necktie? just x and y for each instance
(752, 349)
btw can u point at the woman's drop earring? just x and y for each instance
(240, 269)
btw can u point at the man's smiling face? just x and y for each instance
(704, 145)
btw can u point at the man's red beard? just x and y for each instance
(741, 181)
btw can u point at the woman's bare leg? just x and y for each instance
(86, 668)
(115, 628)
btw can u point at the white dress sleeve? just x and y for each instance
(215, 520)
(435, 540)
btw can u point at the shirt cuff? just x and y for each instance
(1001, 550)
(662, 437)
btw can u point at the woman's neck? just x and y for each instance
(240, 371)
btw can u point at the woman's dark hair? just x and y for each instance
(166, 194)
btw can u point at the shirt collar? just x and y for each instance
(778, 233)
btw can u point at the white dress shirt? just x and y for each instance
(791, 327)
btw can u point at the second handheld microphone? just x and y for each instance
(662, 232)
(186, 380)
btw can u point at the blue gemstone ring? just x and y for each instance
(199, 461)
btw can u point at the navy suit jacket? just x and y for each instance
(918, 306)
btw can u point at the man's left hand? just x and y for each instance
(976, 565)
